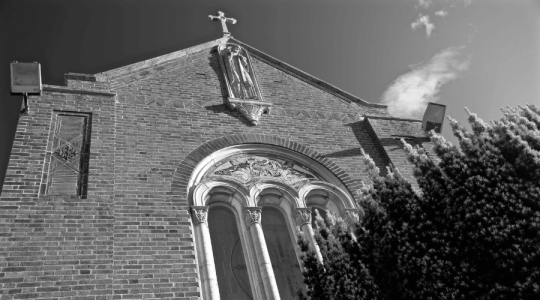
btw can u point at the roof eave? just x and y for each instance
(306, 77)
(117, 73)
(113, 74)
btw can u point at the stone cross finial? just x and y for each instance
(221, 17)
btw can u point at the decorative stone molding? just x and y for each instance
(354, 115)
(302, 216)
(252, 215)
(326, 199)
(191, 169)
(249, 169)
(251, 110)
(272, 201)
(200, 214)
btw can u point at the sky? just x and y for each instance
(480, 54)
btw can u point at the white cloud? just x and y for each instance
(441, 13)
(409, 94)
(424, 3)
(423, 21)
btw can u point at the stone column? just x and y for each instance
(252, 218)
(302, 216)
(207, 268)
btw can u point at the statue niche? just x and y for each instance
(238, 73)
(244, 94)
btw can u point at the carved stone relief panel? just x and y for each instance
(249, 169)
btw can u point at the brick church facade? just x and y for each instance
(184, 176)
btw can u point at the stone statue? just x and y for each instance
(244, 94)
(238, 73)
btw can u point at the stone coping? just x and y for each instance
(64, 89)
(391, 118)
(319, 83)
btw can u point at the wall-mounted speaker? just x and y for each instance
(25, 77)
(433, 117)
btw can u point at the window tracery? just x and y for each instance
(231, 266)
(263, 186)
(248, 169)
(282, 253)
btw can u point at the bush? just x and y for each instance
(471, 231)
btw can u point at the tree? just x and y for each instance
(470, 231)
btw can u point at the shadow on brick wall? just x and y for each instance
(371, 145)
(222, 108)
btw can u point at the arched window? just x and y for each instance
(280, 245)
(248, 203)
(229, 259)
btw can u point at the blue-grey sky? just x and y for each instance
(482, 54)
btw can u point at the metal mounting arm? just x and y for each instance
(25, 109)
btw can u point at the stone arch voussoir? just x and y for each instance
(185, 169)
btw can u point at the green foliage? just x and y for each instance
(471, 231)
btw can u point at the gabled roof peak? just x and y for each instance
(117, 73)
(319, 83)
(111, 75)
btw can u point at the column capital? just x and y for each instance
(200, 214)
(252, 215)
(302, 216)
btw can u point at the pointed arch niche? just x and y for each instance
(247, 202)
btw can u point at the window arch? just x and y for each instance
(270, 192)
(281, 249)
(230, 261)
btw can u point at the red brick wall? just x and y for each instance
(53, 246)
(132, 237)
